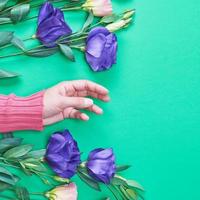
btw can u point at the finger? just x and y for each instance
(76, 102)
(94, 95)
(81, 85)
(75, 114)
(96, 109)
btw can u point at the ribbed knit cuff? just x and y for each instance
(17, 113)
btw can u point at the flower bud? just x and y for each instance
(67, 192)
(60, 179)
(99, 8)
(115, 26)
(128, 14)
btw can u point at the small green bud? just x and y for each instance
(128, 14)
(60, 179)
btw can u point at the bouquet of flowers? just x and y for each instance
(63, 156)
(61, 160)
(96, 39)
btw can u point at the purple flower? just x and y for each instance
(101, 165)
(63, 154)
(51, 25)
(101, 49)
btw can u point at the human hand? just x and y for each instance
(66, 99)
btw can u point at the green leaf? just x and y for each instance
(89, 181)
(3, 4)
(5, 175)
(22, 193)
(118, 180)
(7, 179)
(8, 135)
(67, 51)
(132, 194)
(32, 163)
(5, 20)
(122, 168)
(109, 19)
(42, 52)
(8, 143)
(5, 171)
(88, 21)
(17, 42)
(4, 186)
(18, 151)
(123, 191)
(18, 13)
(7, 74)
(5, 37)
(36, 154)
(134, 184)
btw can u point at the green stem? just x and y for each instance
(77, 39)
(11, 7)
(110, 188)
(7, 197)
(76, 47)
(9, 165)
(63, 9)
(36, 5)
(43, 174)
(10, 55)
(36, 193)
(22, 53)
(8, 45)
(73, 8)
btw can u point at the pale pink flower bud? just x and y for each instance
(99, 8)
(63, 192)
(117, 25)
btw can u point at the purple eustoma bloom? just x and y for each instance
(63, 154)
(101, 165)
(51, 25)
(101, 49)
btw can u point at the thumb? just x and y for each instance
(76, 102)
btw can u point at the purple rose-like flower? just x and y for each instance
(63, 154)
(101, 165)
(101, 49)
(51, 25)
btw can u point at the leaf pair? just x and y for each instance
(84, 176)
(130, 189)
(9, 143)
(16, 14)
(8, 37)
(7, 179)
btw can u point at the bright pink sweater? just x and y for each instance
(17, 113)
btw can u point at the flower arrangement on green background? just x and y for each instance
(63, 156)
(61, 160)
(96, 39)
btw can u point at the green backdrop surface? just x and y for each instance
(152, 121)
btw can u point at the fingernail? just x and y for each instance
(84, 117)
(100, 111)
(88, 102)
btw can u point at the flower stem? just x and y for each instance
(7, 197)
(37, 193)
(77, 39)
(72, 8)
(112, 191)
(8, 45)
(24, 52)
(9, 165)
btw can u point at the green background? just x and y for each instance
(152, 121)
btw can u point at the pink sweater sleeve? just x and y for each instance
(17, 113)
